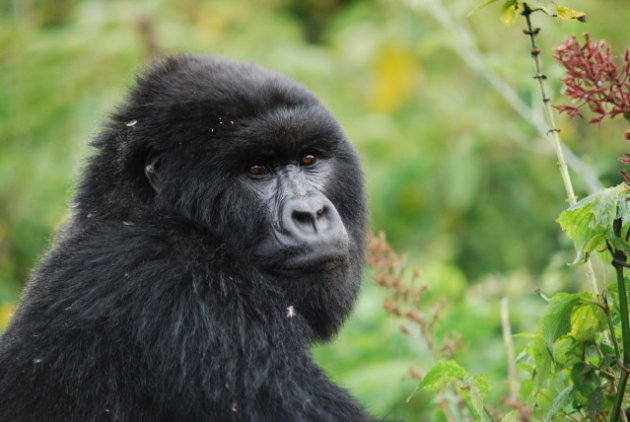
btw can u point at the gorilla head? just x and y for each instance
(252, 158)
(218, 231)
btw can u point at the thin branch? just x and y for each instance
(620, 256)
(468, 51)
(509, 347)
(531, 32)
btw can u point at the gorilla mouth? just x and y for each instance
(315, 263)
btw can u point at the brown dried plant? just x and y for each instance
(407, 299)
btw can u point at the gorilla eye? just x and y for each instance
(308, 160)
(257, 170)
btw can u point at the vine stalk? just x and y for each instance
(619, 259)
(554, 132)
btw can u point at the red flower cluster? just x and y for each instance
(594, 80)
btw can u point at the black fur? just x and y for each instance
(155, 306)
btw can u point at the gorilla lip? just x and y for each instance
(323, 263)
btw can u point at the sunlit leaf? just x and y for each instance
(569, 14)
(586, 321)
(589, 223)
(557, 319)
(567, 351)
(441, 374)
(510, 11)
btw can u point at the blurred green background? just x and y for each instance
(456, 178)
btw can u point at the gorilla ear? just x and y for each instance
(151, 167)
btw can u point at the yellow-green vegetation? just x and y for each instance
(443, 109)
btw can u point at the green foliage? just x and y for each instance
(448, 373)
(566, 366)
(441, 374)
(455, 177)
(511, 9)
(590, 222)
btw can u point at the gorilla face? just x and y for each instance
(254, 159)
(306, 231)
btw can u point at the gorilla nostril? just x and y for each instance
(302, 217)
(310, 217)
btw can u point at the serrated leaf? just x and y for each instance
(576, 223)
(561, 401)
(441, 374)
(586, 321)
(542, 358)
(605, 206)
(510, 11)
(565, 13)
(555, 323)
(557, 319)
(589, 223)
(474, 392)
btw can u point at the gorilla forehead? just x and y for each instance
(232, 88)
(251, 110)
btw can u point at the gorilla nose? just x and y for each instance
(314, 224)
(310, 218)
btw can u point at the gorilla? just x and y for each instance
(217, 232)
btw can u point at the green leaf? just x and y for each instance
(510, 11)
(565, 13)
(474, 391)
(557, 319)
(561, 401)
(587, 388)
(542, 359)
(589, 223)
(441, 374)
(586, 321)
(547, 6)
(479, 389)
(555, 323)
(566, 351)
(576, 223)
(605, 206)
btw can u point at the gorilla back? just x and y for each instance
(217, 232)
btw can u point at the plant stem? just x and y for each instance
(554, 132)
(466, 48)
(625, 334)
(509, 347)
